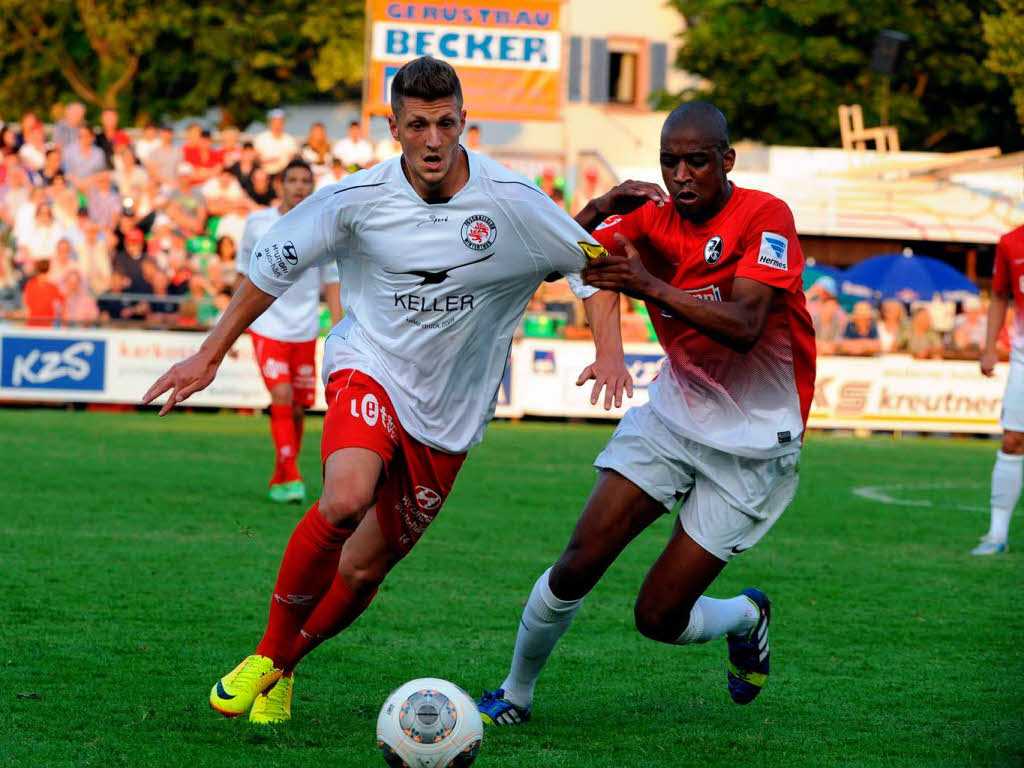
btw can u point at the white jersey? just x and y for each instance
(295, 316)
(432, 293)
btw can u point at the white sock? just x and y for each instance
(710, 618)
(1006, 485)
(544, 621)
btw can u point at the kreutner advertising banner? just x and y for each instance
(508, 54)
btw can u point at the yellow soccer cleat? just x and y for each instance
(234, 693)
(275, 705)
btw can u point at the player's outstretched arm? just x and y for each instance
(736, 323)
(608, 371)
(196, 372)
(620, 200)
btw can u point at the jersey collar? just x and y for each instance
(474, 166)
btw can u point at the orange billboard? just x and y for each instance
(508, 54)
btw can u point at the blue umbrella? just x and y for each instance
(907, 277)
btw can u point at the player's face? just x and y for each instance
(296, 186)
(429, 133)
(694, 169)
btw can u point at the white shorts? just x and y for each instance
(1013, 399)
(729, 501)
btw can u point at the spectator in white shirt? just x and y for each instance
(33, 152)
(150, 140)
(275, 147)
(333, 176)
(354, 151)
(225, 198)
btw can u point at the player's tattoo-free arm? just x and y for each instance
(996, 317)
(332, 293)
(196, 372)
(736, 323)
(622, 199)
(608, 370)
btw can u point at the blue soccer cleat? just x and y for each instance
(989, 547)
(749, 655)
(495, 709)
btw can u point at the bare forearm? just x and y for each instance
(731, 323)
(589, 217)
(996, 317)
(603, 315)
(333, 295)
(248, 303)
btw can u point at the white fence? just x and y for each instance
(118, 366)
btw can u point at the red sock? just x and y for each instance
(283, 429)
(309, 565)
(299, 421)
(337, 609)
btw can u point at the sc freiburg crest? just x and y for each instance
(713, 250)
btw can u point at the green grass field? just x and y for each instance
(138, 554)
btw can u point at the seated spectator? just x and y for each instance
(861, 334)
(129, 260)
(226, 199)
(33, 152)
(230, 149)
(163, 160)
(24, 220)
(260, 188)
(317, 150)
(178, 268)
(80, 306)
(548, 182)
(93, 250)
(186, 207)
(967, 339)
(66, 202)
(104, 203)
(63, 263)
(65, 130)
(114, 305)
(51, 166)
(202, 298)
(41, 239)
(247, 162)
(275, 147)
(15, 190)
(110, 138)
(892, 325)
(353, 150)
(43, 301)
(386, 149)
(473, 143)
(227, 252)
(919, 339)
(130, 177)
(10, 142)
(83, 159)
(161, 310)
(205, 159)
(149, 141)
(336, 173)
(828, 326)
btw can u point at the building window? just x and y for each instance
(622, 73)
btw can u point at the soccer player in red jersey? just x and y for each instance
(720, 270)
(1007, 286)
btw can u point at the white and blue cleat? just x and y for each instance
(989, 547)
(495, 709)
(749, 655)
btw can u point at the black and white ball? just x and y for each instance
(429, 723)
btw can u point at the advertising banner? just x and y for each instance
(508, 55)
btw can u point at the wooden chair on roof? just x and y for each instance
(855, 136)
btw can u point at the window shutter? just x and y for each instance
(659, 66)
(598, 70)
(575, 69)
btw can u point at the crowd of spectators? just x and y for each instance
(100, 224)
(925, 330)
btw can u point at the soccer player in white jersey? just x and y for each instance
(1008, 472)
(439, 251)
(720, 270)
(284, 337)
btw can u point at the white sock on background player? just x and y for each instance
(710, 618)
(1006, 485)
(544, 621)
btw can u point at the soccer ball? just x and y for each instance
(429, 723)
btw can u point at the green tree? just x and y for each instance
(175, 58)
(779, 70)
(1004, 33)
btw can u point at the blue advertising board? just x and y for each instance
(41, 362)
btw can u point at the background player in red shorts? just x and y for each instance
(439, 251)
(284, 337)
(1007, 286)
(720, 270)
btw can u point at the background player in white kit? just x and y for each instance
(720, 270)
(439, 251)
(1008, 472)
(284, 337)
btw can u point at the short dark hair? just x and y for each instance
(296, 162)
(705, 116)
(425, 78)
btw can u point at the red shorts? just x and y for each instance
(293, 362)
(417, 479)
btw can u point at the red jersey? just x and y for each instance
(750, 404)
(44, 302)
(1008, 278)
